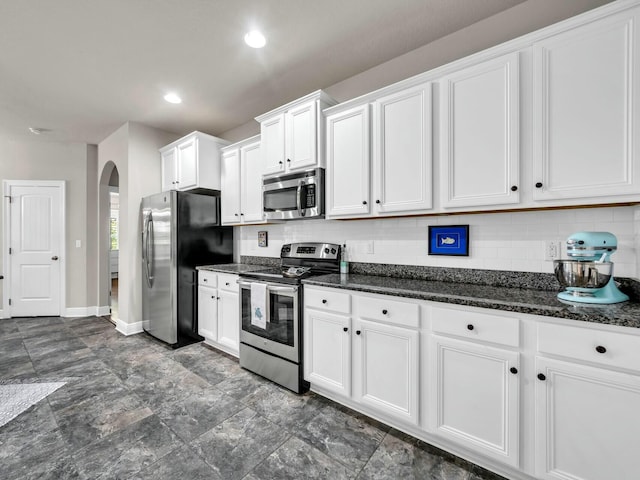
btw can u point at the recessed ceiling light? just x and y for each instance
(172, 98)
(255, 39)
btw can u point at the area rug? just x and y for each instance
(15, 398)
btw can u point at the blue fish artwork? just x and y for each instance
(258, 313)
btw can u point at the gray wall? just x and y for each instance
(25, 159)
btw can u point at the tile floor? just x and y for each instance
(135, 409)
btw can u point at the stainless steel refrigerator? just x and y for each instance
(180, 230)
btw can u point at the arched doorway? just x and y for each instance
(110, 229)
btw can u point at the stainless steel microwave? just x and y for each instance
(295, 196)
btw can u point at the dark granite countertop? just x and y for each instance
(233, 268)
(520, 300)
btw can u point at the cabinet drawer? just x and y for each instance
(207, 278)
(607, 348)
(327, 300)
(476, 326)
(228, 282)
(386, 309)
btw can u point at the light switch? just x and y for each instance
(78, 243)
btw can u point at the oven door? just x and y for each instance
(281, 335)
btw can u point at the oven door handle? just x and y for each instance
(272, 287)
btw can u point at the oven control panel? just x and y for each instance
(310, 250)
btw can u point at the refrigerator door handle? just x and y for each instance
(148, 255)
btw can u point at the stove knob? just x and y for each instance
(326, 250)
(333, 251)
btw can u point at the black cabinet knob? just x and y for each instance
(205, 280)
(600, 349)
(345, 329)
(226, 283)
(280, 162)
(377, 201)
(541, 376)
(242, 214)
(384, 312)
(539, 185)
(470, 327)
(213, 296)
(514, 188)
(324, 300)
(358, 332)
(513, 370)
(364, 202)
(217, 298)
(288, 160)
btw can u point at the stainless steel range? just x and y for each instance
(271, 306)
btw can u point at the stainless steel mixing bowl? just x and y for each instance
(579, 274)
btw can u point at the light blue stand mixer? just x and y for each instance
(588, 273)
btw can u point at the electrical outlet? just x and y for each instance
(551, 250)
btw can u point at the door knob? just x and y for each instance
(55, 257)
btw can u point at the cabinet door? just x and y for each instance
(300, 134)
(230, 183)
(587, 111)
(228, 320)
(169, 169)
(474, 397)
(479, 134)
(402, 158)
(348, 163)
(272, 144)
(385, 369)
(208, 312)
(188, 164)
(327, 351)
(251, 184)
(587, 422)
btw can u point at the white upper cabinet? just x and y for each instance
(480, 134)
(348, 176)
(381, 164)
(402, 159)
(293, 135)
(192, 162)
(587, 111)
(242, 183)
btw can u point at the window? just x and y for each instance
(114, 220)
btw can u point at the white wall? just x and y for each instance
(498, 241)
(26, 159)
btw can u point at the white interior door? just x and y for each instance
(36, 246)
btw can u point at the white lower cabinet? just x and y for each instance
(327, 352)
(219, 310)
(587, 422)
(528, 397)
(474, 396)
(385, 368)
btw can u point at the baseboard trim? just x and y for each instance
(87, 311)
(102, 311)
(128, 328)
(1, 314)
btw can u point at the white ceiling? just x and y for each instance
(82, 68)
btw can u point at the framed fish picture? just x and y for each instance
(449, 240)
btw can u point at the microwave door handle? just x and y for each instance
(299, 198)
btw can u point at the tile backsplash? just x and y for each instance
(498, 241)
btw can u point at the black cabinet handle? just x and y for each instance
(289, 160)
(236, 214)
(539, 185)
(384, 312)
(205, 280)
(358, 332)
(226, 283)
(280, 162)
(364, 202)
(513, 370)
(541, 376)
(600, 349)
(345, 329)
(213, 296)
(514, 188)
(377, 201)
(470, 327)
(324, 300)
